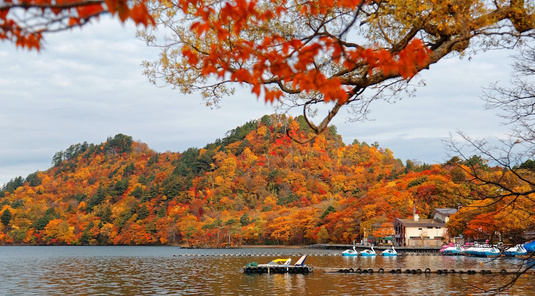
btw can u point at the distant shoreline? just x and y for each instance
(274, 247)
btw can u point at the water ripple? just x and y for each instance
(172, 271)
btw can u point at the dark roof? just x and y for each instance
(445, 211)
(421, 223)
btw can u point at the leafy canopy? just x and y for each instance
(23, 22)
(339, 52)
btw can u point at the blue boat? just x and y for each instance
(350, 253)
(367, 253)
(454, 250)
(530, 247)
(517, 250)
(390, 252)
(483, 251)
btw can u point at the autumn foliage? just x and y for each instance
(496, 210)
(24, 22)
(291, 61)
(255, 186)
(340, 54)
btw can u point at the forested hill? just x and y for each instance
(254, 186)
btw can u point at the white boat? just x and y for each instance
(390, 252)
(454, 250)
(482, 251)
(352, 253)
(444, 247)
(368, 253)
(492, 252)
(517, 250)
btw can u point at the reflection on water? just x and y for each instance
(173, 271)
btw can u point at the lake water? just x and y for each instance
(173, 271)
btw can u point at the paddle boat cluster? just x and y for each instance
(369, 252)
(483, 250)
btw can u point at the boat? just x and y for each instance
(517, 250)
(454, 250)
(530, 247)
(482, 251)
(492, 252)
(444, 247)
(368, 253)
(390, 252)
(350, 253)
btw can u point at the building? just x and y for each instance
(418, 232)
(443, 215)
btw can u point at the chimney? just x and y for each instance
(416, 217)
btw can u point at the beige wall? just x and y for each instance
(432, 236)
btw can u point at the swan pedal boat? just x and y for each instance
(368, 253)
(390, 252)
(350, 253)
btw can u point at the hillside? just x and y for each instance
(254, 186)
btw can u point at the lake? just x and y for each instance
(119, 270)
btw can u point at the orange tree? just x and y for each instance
(23, 22)
(345, 53)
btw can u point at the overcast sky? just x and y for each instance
(87, 85)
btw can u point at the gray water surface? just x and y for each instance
(74, 270)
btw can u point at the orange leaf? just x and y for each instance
(140, 15)
(190, 56)
(3, 13)
(89, 10)
(256, 89)
(74, 21)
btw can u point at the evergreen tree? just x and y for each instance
(6, 217)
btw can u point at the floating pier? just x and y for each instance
(279, 266)
(270, 270)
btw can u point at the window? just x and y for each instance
(420, 228)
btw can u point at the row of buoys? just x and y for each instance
(360, 270)
(263, 269)
(420, 271)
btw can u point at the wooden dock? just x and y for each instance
(278, 269)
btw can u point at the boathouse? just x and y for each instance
(418, 232)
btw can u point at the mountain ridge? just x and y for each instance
(253, 186)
